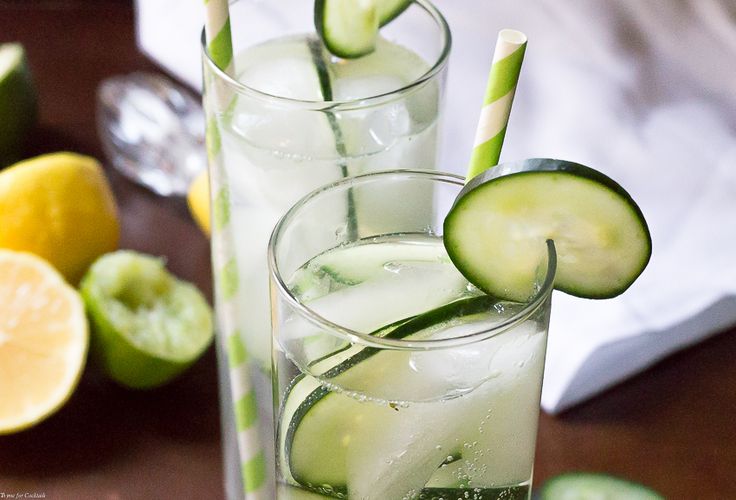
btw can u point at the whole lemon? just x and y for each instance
(59, 206)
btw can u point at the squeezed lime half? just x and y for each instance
(147, 325)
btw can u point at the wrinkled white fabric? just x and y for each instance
(644, 91)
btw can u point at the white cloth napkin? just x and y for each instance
(645, 92)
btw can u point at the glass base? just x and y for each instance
(518, 492)
(232, 470)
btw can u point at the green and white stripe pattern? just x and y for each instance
(245, 408)
(217, 31)
(494, 115)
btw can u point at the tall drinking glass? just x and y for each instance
(395, 378)
(293, 118)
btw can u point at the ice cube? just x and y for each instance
(396, 454)
(284, 69)
(502, 413)
(349, 87)
(457, 370)
(275, 123)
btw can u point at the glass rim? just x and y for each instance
(366, 339)
(359, 103)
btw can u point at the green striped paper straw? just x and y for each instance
(217, 31)
(494, 115)
(245, 408)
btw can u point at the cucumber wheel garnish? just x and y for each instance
(496, 230)
(349, 27)
(388, 10)
(586, 485)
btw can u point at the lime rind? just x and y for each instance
(18, 102)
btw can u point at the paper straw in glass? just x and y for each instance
(494, 115)
(252, 460)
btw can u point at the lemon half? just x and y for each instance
(43, 340)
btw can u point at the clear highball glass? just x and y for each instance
(278, 128)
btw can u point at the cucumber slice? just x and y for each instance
(388, 10)
(496, 230)
(592, 486)
(361, 263)
(310, 435)
(349, 27)
(406, 328)
(373, 258)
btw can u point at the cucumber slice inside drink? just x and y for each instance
(496, 230)
(349, 27)
(359, 265)
(589, 486)
(314, 418)
(370, 421)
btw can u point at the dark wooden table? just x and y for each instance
(672, 428)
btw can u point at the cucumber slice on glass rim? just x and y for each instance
(388, 10)
(349, 27)
(496, 230)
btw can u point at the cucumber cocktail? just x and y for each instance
(297, 117)
(290, 117)
(409, 353)
(396, 377)
(273, 156)
(409, 309)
